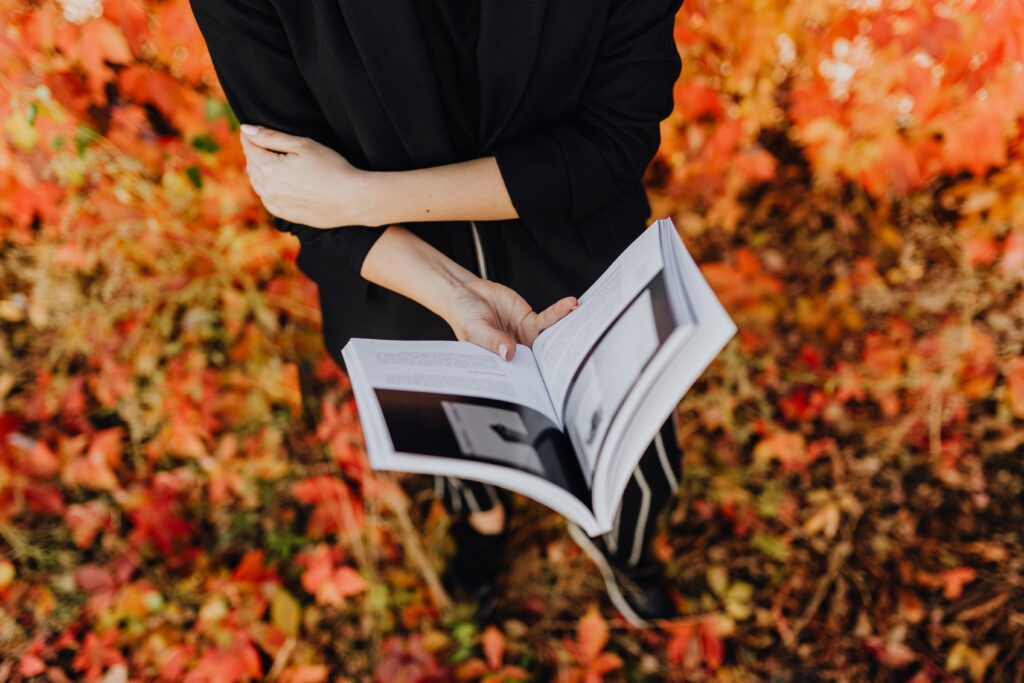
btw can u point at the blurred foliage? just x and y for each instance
(183, 490)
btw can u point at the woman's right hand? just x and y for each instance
(496, 317)
(480, 311)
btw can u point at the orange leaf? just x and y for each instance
(93, 45)
(94, 469)
(494, 646)
(1012, 263)
(306, 673)
(591, 634)
(318, 566)
(348, 582)
(471, 670)
(1015, 386)
(789, 448)
(953, 581)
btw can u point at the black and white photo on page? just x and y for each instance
(612, 366)
(482, 430)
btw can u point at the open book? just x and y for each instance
(566, 422)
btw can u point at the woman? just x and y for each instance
(450, 167)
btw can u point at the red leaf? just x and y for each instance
(40, 461)
(251, 568)
(85, 521)
(94, 469)
(236, 663)
(94, 578)
(30, 666)
(45, 499)
(328, 584)
(97, 654)
(714, 649)
(407, 662)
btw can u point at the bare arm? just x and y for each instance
(305, 182)
(480, 311)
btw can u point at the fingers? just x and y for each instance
(535, 323)
(494, 340)
(272, 139)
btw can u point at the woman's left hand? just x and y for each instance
(304, 182)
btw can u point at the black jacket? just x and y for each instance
(572, 93)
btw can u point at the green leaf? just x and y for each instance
(195, 176)
(772, 546)
(205, 143)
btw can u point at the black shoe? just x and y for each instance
(472, 572)
(640, 593)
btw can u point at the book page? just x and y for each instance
(704, 329)
(561, 349)
(477, 431)
(611, 369)
(450, 367)
(453, 408)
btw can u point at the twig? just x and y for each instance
(836, 559)
(281, 659)
(413, 545)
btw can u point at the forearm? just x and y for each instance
(405, 264)
(464, 191)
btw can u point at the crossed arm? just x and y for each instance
(305, 182)
(597, 152)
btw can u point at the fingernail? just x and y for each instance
(503, 352)
(249, 129)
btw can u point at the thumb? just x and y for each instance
(536, 324)
(271, 139)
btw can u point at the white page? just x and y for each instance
(607, 375)
(561, 348)
(449, 367)
(673, 371)
(480, 436)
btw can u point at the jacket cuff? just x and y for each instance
(536, 176)
(326, 256)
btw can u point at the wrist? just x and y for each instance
(458, 284)
(372, 198)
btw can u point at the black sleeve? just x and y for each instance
(576, 166)
(264, 86)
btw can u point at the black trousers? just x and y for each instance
(654, 483)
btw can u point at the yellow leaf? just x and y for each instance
(285, 612)
(738, 600)
(718, 578)
(22, 133)
(6, 574)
